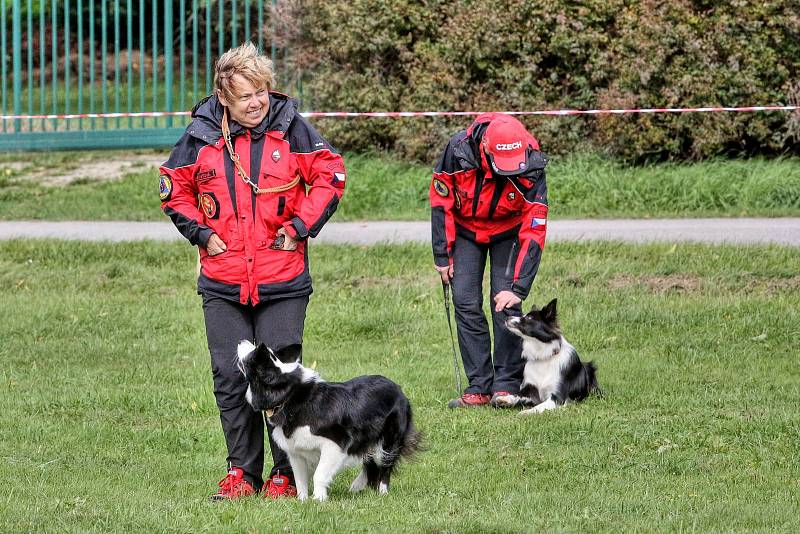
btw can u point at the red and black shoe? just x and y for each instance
(503, 399)
(279, 486)
(233, 486)
(468, 400)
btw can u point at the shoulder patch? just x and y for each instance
(440, 187)
(210, 205)
(165, 188)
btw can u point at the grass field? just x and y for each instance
(108, 421)
(382, 189)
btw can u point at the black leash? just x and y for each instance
(456, 369)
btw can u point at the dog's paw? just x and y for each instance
(539, 408)
(321, 496)
(359, 483)
(302, 495)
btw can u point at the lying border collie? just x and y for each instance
(327, 426)
(553, 372)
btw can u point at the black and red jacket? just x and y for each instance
(468, 199)
(202, 194)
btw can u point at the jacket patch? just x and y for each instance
(537, 221)
(204, 176)
(210, 205)
(441, 189)
(165, 187)
(338, 179)
(276, 155)
(511, 196)
(335, 166)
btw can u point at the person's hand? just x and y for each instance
(445, 272)
(215, 245)
(288, 242)
(505, 299)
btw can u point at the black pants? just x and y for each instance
(469, 262)
(277, 324)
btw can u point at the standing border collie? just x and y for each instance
(327, 426)
(554, 374)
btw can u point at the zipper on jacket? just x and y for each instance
(479, 177)
(499, 187)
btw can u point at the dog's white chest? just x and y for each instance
(301, 440)
(544, 375)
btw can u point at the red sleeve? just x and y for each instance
(323, 171)
(532, 233)
(443, 227)
(178, 192)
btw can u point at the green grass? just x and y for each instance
(382, 189)
(108, 422)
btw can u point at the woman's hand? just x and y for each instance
(505, 299)
(445, 272)
(215, 245)
(288, 242)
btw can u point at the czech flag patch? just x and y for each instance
(538, 221)
(338, 179)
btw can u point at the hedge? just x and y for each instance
(463, 55)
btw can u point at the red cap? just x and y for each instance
(506, 141)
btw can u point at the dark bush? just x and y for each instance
(464, 55)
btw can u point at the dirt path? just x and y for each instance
(61, 169)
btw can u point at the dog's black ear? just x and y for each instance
(263, 352)
(290, 353)
(549, 311)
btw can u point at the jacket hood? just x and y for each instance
(468, 150)
(207, 118)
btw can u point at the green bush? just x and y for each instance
(462, 55)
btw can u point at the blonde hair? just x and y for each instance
(247, 62)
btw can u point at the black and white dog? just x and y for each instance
(553, 372)
(327, 426)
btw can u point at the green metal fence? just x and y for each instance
(72, 58)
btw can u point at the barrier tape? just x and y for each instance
(394, 114)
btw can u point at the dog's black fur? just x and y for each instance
(368, 418)
(554, 374)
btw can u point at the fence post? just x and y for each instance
(16, 38)
(168, 57)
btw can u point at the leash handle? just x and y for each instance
(456, 368)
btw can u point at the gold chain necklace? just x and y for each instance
(226, 134)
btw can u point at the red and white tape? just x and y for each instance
(355, 114)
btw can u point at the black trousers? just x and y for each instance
(277, 324)
(486, 375)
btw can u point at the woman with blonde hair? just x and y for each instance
(248, 183)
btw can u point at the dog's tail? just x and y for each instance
(412, 442)
(591, 376)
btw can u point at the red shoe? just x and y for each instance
(233, 486)
(503, 399)
(278, 486)
(469, 399)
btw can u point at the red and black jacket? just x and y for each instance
(202, 194)
(469, 200)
